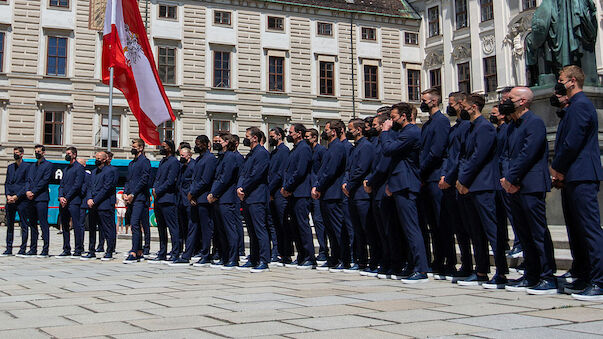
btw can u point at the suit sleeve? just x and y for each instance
(225, 177)
(530, 152)
(300, 172)
(172, 177)
(256, 174)
(106, 189)
(363, 166)
(395, 144)
(143, 181)
(578, 124)
(22, 189)
(76, 187)
(485, 140)
(9, 174)
(434, 156)
(379, 175)
(42, 182)
(328, 170)
(451, 165)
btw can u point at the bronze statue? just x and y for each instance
(564, 33)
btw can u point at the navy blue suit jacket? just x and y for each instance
(330, 176)
(225, 181)
(101, 188)
(254, 176)
(527, 150)
(38, 179)
(361, 160)
(16, 180)
(205, 168)
(502, 132)
(457, 135)
(380, 169)
(577, 153)
(166, 181)
(318, 152)
(139, 177)
(185, 181)
(298, 171)
(278, 163)
(434, 140)
(84, 190)
(71, 183)
(403, 147)
(479, 171)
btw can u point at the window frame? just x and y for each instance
(216, 12)
(367, 37)
(461, 14)
(220, 121)
(58, 4)
(276, 74)
(66, 57)
(324, 79)
(528, 2)
(433, 23)
(163, 128)
(166, 56)
(167, 7)
(465, 80)
(115, 117)
(2, 49)
(486, 7)
(53, 123)
(413, 87)
(492, 75)
(409, 34)
(276, 28)
(324, 24)
(370, 82)
(221, 70)
(435, 74)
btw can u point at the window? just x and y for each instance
(464, 77)
(1, 52)
(369, 33)
(276, 23)
(276, 74)
(327, 78)
(53, 128)
(167, 12)
(433, 16)
(370, 82)
(166, 64)
(411, 38)
(324, 28)
(166, 131)
(59, 3)
(222, 69)
(490, 79)
(414, 84)
(527, 4)
(222, 18)
(461, 13)
(57, 56)
(487, 10)
(220, 126)
(435, 79)
(115, 126)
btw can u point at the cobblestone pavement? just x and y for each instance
(68, 298)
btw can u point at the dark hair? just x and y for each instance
(185, 144)
(313, 132)
(478, 100)
(72, 149)
(170, 144)
(203, 139)
(263, 140)
(278, 131)
(506, 90)
(236, 138)
(40, 146)
(139, 142)
(338, 126)
(458, 96)
(369, 120)
(230, 139)
(404, 109)
(434, 94)
(109, 154)
(384, 110)
(299, 128)
(358, 124)
(255, 132)
(382, 118)
(19, 148)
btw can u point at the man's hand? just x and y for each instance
(189, 197)
(30, 195)
(211, 199)
(154, 194)
(315, 193)
(558, 184)
(240, 193)
(556, 175)
(387, 125)
(344, 188)
(368, 189)
(63, 201)
(285, 194)
(461, 188)
(9, 199)
(90, 203)
(508, 187)
(443, 185)
(388, 192)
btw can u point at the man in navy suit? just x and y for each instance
(100, 198)
(297, 188)
(434, 140)
(348, 229)
(16, 201)
(84, 209)
(318, 152)
(69, 203)
(240, 231)
(365, 234)
(278, 203)
(137, 196)
(577, 165)
(402, 142)
(452, 218)
(223, 192)
(327, 188)
(252, 190)
(527, 180)
(37, 192)
(165, 192)
(203, 177)
(115, 171)
(478, 177)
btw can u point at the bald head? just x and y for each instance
(82, 161)
(522, 93)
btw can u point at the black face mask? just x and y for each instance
(163, 151)
(465, 115)
(272, 142)
(451, 111)
(308, 142)
(396, 126)
(134, 151)
(38, 156)
(67, 157)
(16, 156)
(554, 100)
(349, 135)
(371, 132)
(290, 139)
(424, 107)
(507, 107)
(560, 89)
(183, 160)
(217, 147)
(324, 136)
(198, 150)
(98, 163)
(246, 142)
(493, 119)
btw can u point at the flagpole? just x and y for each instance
(110, 122)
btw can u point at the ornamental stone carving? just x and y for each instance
(433, 59)
(488, 44)
(461, 52)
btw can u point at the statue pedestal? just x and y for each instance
(543, 109)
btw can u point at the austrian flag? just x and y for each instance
(126, 49)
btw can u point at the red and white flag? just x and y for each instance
(126, 49)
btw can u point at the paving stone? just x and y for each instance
(188, 310)
(92, 318)
(434, 328)
(255, 329)
(481, 309)
(574, 314)
(329, 310)
(193, 301)
(364, 333)
(594, 327)
(508, 321)
(342, 321)
(410, 316)
(397, 305)
(23, 333)
(323, 301)
(66, 302)
(180, 322)
(543, 303)
(537, 333)
(379, 296)
(248, 297)
(80, 331)
(255, 316)
(255, 306)
(11, 324)
(462, 300)
(49, 311)
(20, 305)
(126, 306)
(178, 334)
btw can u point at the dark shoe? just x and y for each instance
(21, 254)
(131, 259)
(321, 257)
(246, 266)
(521, 268)
(99, 249)
(76, 255)
(496, 283)
(578, 286)
(371, 272)
(567, 277)
(515, 253)
(31, 254)
(170, 259)
(324, 267)
(217, 264)
(157, 260)
(107, 257)
(458, 276)
(6, 253)
(231, 265)
(339, 268)
(591, 293)
(307, 265)
(43, 255)
(519, 285)
(292, 264)
(384, 273)
(146, 252)
(203, 262)
(416, 278)
(88, 256)
(355, 268)
(180, 262)
(63, 255)
(544, 287)
(262, 267)
(473, 280)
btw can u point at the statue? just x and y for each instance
(564, 33)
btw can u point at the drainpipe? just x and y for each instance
(352, 64)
